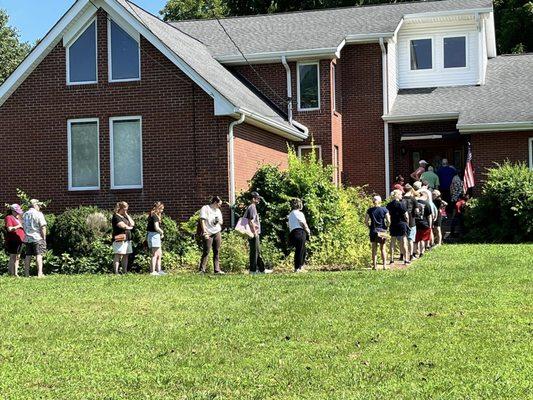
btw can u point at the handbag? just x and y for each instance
(243, 228)
(120, 238)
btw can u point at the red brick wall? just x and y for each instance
(184, 144)
(362, 108)
(253, 148)
(488, 148)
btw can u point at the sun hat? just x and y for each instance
(16, 208)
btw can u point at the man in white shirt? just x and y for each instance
(299, 231)
(211, 224)
(34, 226)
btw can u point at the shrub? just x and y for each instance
(75, 231)
(233, 253)
(335, 215)
(504, 210)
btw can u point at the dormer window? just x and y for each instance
(81, 58)
(421, 54)
(124, 55)
(454, 52)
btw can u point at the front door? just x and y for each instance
(434, 154)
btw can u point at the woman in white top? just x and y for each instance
(211, 226)
(299, 230)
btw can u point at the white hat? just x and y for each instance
(376, 199)
(422, 162)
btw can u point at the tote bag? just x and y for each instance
(243, 228)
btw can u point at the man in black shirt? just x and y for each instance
(411, 205)
(398, 227)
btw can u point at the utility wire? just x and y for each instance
(284, 100)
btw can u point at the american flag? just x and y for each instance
(469, 180)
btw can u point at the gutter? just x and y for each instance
(290, 132)
(231, 161)
(384, 72)
(400, 119)
(289, 88)
(496, 127)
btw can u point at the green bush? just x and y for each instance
(76, 230)
(504, 211)
(335, 215)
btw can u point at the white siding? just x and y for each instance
(438, 75)
(392, 61)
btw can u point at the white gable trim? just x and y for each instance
(40, 51)
(78, 27)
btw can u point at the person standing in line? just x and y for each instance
(14, 238)
(377, 218)
(410, 203)
(458, 215)
(431, 178)
(437, 226)
(420, 170)
(456, 188)
(257, 264)
(399, 229)
(154, 236)
(299, 231)
(34, 225)
(446, 173)
(122, 225)
(424, 224)
(211, 227)
(399, 184)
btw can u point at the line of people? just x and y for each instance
(28, 229)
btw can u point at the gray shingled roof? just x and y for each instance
(310, 29)
(196, 55)
(507, 95)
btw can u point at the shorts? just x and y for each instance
(423, 234)
(154, 240)
(14, 247)
(36, 248)
(122, 248)
(374, 238)
(412, 234)
(399, 230)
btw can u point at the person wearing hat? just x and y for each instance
(257, 264)
(410, 203)
(14, 237)
(420, 170)
(34, 226)
(437, 226)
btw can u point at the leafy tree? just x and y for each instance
(12, 50)
(514, 25)
(514, 18)
(177, 10)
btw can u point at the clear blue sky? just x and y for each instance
(34, 18)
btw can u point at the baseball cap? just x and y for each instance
(417, 185)
(16, 208)
(376, 199)
(422, 162)
(35, 202)
(256, 195)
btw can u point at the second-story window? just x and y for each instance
(124, 55)
(455, 52)
(421, 54)
(308, 86)
(81, 57)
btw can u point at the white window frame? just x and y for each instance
(467, 66)
(74, 39)
(109, 53)
(309, 146)
(530, 153)
(298, 64)
(69, 143)
(433, 58)
(111, 160)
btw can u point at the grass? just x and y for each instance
(458, 324)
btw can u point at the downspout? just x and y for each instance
(385, 112)
(289, 88)
(231, 156)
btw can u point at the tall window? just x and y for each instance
(83, 155)
(455, 52)
(336, 166)
(334, 86)
(531, 153)
(126, 153)
(421, 54)
(308, 86)
(81, 58)
(124, 55)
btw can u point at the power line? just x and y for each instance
(285, 101)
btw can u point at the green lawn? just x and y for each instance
(457, 324)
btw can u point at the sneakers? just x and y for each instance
(162, 273)
(220, 273)
(154, 273)
(268, 271)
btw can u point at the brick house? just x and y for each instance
(115, 104)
